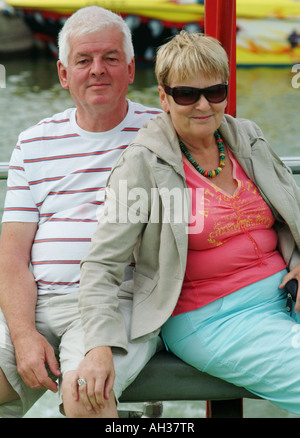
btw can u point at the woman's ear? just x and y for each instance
(163, 99)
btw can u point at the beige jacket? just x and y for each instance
(153, 164)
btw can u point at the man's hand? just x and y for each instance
(97, 370)
(18, 297)
(33, 355)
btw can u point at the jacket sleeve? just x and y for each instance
(102, 271)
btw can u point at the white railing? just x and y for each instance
(292, 162)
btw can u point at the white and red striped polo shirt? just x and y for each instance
(56, 178)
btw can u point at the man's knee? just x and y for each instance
(7, 393)
(75, 408)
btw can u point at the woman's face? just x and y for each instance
(197, 121)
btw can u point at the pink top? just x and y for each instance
(235, 243)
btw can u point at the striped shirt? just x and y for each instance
(57, 177)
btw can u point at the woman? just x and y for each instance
(211, 280)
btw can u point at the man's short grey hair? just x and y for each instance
(90, 20)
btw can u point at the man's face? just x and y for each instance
(97, 74)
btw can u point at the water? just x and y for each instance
(263, 95)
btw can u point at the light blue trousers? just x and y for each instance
(247, 338)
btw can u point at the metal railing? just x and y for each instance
(292, 162)
(3, 170)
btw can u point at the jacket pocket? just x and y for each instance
(143, 286)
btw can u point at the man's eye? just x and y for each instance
(82, 61)
(111, 59)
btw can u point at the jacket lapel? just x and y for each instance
(175, 200)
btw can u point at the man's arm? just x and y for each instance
(18, 297)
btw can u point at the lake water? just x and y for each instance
(266, 96)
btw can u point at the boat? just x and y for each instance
(15, 36)
(268, 31)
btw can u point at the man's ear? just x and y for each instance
(131, 71)
(63, 75)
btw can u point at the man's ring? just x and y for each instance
(81, 382)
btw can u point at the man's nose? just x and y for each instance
(98, 67)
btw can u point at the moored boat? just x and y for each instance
(15, 36)
(268, 31)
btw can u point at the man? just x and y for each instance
(55, 192)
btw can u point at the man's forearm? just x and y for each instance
(18, 289)
(18, 296)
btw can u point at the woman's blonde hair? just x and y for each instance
(187, 54)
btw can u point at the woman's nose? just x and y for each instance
(202, 102)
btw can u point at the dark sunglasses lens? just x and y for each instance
(190, 95)
(216, 94)
(185, 95)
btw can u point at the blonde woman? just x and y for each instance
(212, 217)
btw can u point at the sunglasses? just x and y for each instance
(190, 95)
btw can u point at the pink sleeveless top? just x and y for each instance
(233, 243)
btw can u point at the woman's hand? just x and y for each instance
(293, 274)
(97, 370)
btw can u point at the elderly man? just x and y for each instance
(55, 194)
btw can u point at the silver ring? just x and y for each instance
(81, 382)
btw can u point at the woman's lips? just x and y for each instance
(202, 118)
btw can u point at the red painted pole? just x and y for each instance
(220, 23)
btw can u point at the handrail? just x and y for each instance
(3, 170)
(292, 162)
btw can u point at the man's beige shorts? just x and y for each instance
(58, 319)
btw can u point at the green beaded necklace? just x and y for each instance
(207, 173)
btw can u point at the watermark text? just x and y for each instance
(164, 205)
(296, 77)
